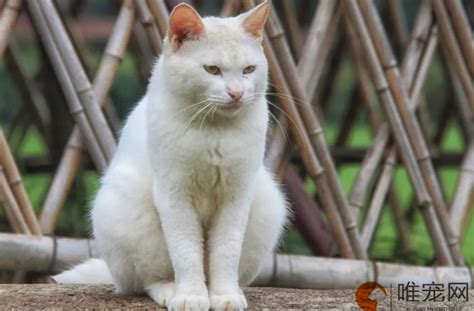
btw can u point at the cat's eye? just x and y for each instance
(213, 70)
(249, 69)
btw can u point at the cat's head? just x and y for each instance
(216, 61)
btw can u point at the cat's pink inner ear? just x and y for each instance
(255, 22)
(184, 24)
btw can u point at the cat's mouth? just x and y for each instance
(231, 106)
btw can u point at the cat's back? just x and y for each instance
(131, 157)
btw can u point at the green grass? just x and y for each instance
(73, 220)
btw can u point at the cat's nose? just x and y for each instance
(236, 95)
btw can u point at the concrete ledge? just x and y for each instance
(68, 297)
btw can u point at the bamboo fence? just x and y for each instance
(390, 62)
(54, 254)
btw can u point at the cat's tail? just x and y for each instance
(92, 271)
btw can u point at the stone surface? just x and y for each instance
(70, 297)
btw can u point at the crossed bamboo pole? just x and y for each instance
(373, 157)
(81, 99)
(8, 18)
(70, 161)
(463, 200)
(279, 151)
(409, 141)
(290, 106)
(318, 160)
(15, 193)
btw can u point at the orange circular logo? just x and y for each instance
(363, 293)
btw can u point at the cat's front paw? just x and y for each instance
(189, 303)
(228, 302)
(161, 292)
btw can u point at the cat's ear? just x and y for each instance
(184, 24)
(255, 19)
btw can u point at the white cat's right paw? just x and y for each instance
(189, 303)
(161, 292)
(232, 302)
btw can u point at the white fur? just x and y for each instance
(186, 211)
(92, 271)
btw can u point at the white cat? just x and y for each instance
(186, 211)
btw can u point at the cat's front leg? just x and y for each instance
(225, 247)
(184, 237)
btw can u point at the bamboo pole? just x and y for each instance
(401, 37)
(319, 29)
(308, 216)
(448, 36)
(424, 34)
(80, 82)
(62, 182)
(84, 56)
(461, 202)
(464, 111)
(310, 160)
(414, 134)
(463, 31)
(76, 109)
(314, 130)
(292, 26)
(152, 31)
(420, 50)
(159, 11)
(398, 22)
(323, 89)
(70, 160)
(421, 73)
(413, 57)
(317, 44)
(398, 130)
(48, 254)
(366, 91)
(42, 253)
(349, 118)
(372, 158)
(375, 208)
(230, 8)
(400, 221)
(12, 210)
(414, 51)
(8, 18)
(16, 128)
(293, 271)
(12, 176)
(443, 123)
(143, 53)
(367, 170)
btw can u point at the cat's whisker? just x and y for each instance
(204, 118)
(279, 109)
(191, 106)
(286, 96)
(214, 112)
(189, 122)
(289, 118)
(282, 128)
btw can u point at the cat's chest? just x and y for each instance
(215, 168)
(206, 163)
